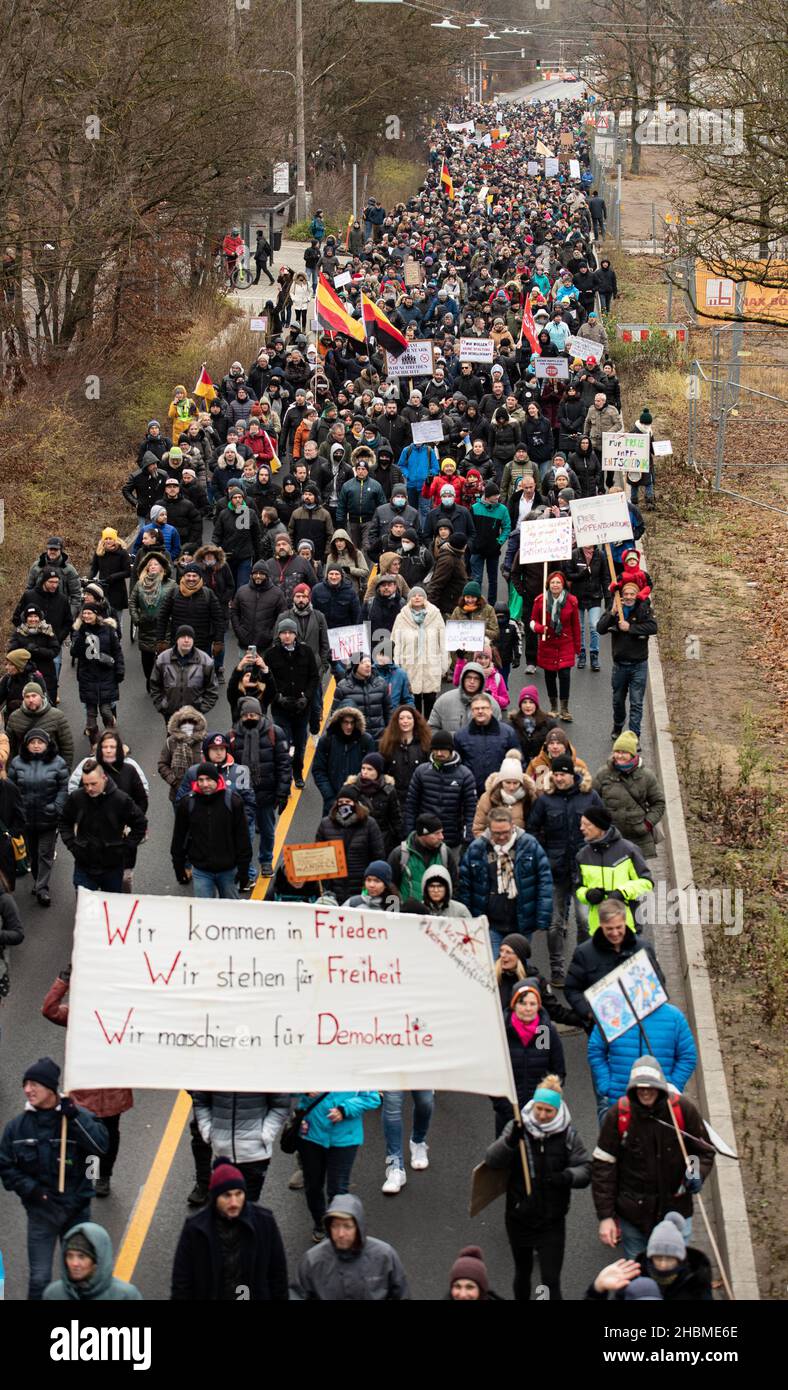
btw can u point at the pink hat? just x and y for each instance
(529, 692)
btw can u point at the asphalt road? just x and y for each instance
(433, 1204)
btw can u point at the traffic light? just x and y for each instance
(538, 65)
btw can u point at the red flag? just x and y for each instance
(528, 329)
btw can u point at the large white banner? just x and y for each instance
(256, 996)
(600, 519)
(547, 540)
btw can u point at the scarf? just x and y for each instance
(248, 752)
(554, 606)
(150, 589)
(555, 1126)
(504, 865)
(511, 798)
(418, 615)
(525, 1031)
(188, 590)
(629, 766)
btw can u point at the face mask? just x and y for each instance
(210, 561)
(188, 729)
(398, 502)
(344, 812)
(407, 546)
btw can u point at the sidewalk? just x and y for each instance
(290, 254)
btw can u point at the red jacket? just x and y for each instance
(554, 653)
(99, 1103)
(432, 487)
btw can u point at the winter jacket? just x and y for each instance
(287, 573)
(200, 610)
(101, 831)
(340, 606)
(197, 1272)
(397, 684)
(44, 650)
(452, 711)
(255, 613)
(639, 1175)
(369, 1273)
(670, 1040)
(383, 803)
(595, 958)
(55, 608)
(359, 500)
(555, 653)
(446, 790)
(100, 663)
(111, 1100)
(211, 832)
(181, 749)
(618, 868)
(420, 649)
(598, 422)
(177, 681)
(492, 797)
(112, 569)
(102, 1286)
(171, 541)
(531, 1062)
(558, 1163)
(692, 1283)
(313, 632)
(53, 721)
(271, 781)
(145, 615)
(371, 696)
(363, 842)
(381, 614)
(238, 532)
(142, 489)
(483, 747)
(555, 821)
(320, 1130)
(587, 578)
(337, 758)
(241, 1126)
(296, 676)
(538, 438)
(587, 468)
(314, 525)
(42, 784)
(532, 741)
(447, 579)
(30, 1157)
(459, 518)
(571, 418)
(69, 578)
(492, 526)
(380, 526)
(533, 880)
(635, 800)
(418, 462)
(631, 645)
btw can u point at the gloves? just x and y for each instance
(65, 974)
(216, 648)
(282, 803)
(161, 647)
(68, 1107)
(181, 875)
(516, 1133)
(595, 896)
(692, 1183)
(617, 894)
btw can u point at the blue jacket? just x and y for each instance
(320, 1130)
(341, 607)
(418, 462)
(172, 541)
(30, 1156)
(670, 1040)
(483, 748)
(397, 681)
(532, 876)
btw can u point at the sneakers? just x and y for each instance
(267, 869)
(299, 782)
(45, 901)
(594, 661)
(557, 978)
(396, 1178)
(418, 1156)
(198, 1195)
(296, 1182)
(581, 662)
(102, 1188)
(530, 670)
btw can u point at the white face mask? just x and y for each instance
(188, 729)
(407, 546)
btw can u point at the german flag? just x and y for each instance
(205, 387)
(332, 314)
(381, 329)
(447, 183)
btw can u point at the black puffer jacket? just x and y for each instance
(383, 802)
(558, 1163)
(587, 578)
(338, 758)
(238, 533)
(370, 696)
(256, 609)
(112, 569)
(448, 791)
(363, 842)
(595, 958)
(588, 471)
(533, 1062)
(99, 658)
(41, 782)
(55, 608)
(201, 610)
(92, 828)
(270, 772)
(296, 676)
(43, 647)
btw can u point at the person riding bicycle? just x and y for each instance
(233, 248)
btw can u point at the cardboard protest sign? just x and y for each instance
(413, 272)
(584, 348)
(416, 360)
(477, 349)
(600, 519)
(627, 451)
(567, 139)
(322, 859)
(551, 369)
(533, 168)
(629, 993)
(551, 167)
(662, 447)
(464, 636)
(346, 641)
(542, 149)
(221, 995)
(547, 540)
(427, 431)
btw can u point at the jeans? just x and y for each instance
(635, 1241)
(424, 508)
(106, 881)
(548, 1244)
(392, 1120)
(629, 676)
(563, 897)
(295, 728)
(312, 272)
(478, 565)
(241, 569)
(593, 615)
(44, 1227)
(326, 1173)
(648, 483)
(266, 824)
(40, 842)
(218, 661)
(215, 885)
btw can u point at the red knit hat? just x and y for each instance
(225, 1178)
(469, 1264)
(557, 574)
(302, 589)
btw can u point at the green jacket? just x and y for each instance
(102, 1286)
(616, 866)
(632, 798)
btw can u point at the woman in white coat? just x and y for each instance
(419, 637)
(300, 295)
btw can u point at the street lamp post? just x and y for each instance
(300, 123)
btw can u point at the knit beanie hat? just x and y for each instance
(225, 1178)
(626, 743)
(645, 417)
(286, 625)
(77, 1240)
(598, 815)
(492, 489)
(349, 792)
(208, 770)
(529, 692)
(32, 688)
(469, 1264)
(520, 945)
(379, 869)
(667, 1238)
(527, 987)
(563, 763)
(442, 739)
(511, 768)
(427, 824)
(18, 658)
(643, 1290)
(472, 590)
(302, 589)
(184, 631)
(457, 540)
(374, 760)
(45, 1072)
(250, 706)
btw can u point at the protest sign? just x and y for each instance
(574, 168)
(600, 519)
(629, 993)
(542, 149)
(414, 272)
(477, 349)
(662, 447)
(457, 126)
(343, 279)
(567, 139)
(550, 167)
(321, 859)
(547, 540)
(584, 348)
(551, 369)
(346, 641)
(464, 636)
(627, 451)
(259, 325)
(427, 431)
(533, 168)
(222, 995)
(416, 360)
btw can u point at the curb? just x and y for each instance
(726, 1188)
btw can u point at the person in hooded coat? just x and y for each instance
(186, 730)
(260, 746)
(340, 752)
(378, 793)
(257, 608)
(350, 821)
(632, 794)
(86, 1263)
(95, 646)
(511, 787)
(153, 586)
(35, 636)
(41, 778)
(350, 1266)
(452, 710)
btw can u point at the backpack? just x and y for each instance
(624, 1113)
